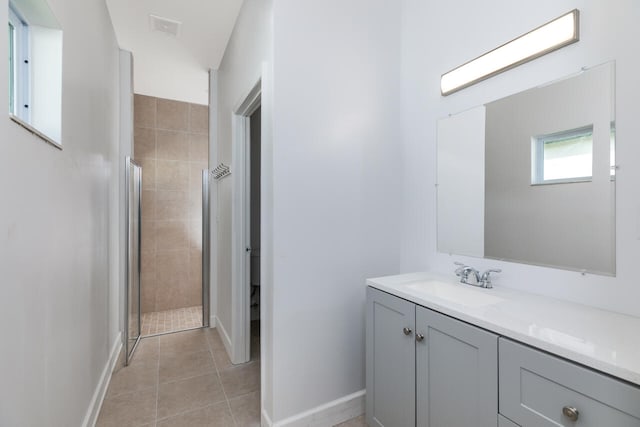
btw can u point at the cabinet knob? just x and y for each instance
(419, 337)
(407, 331)
(571, 413)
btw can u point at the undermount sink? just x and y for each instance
(456, 293)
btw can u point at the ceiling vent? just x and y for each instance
(165, 25)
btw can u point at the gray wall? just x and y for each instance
(569, 224)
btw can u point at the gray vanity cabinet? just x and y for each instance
(390, 360)
(541, 390)
(456, 372)
(426, 369)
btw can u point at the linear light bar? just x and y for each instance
(553, 35)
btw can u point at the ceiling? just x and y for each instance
(174, 67)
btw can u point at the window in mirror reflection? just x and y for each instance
(35, 68)
(563, 157)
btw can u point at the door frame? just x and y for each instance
(240, 224)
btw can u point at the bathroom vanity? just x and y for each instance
(443, 354)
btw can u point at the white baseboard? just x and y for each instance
(213, 321)
(226, 340)
(101, 389)
(266, 421)
(326, 415)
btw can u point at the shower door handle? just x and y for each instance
(247, 250)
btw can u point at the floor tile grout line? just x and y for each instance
(233, 418)
(155, 420)
(199, 408)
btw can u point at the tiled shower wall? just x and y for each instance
(171, 145)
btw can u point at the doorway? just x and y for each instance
(246, 231)
(254, 176)
(171, 142)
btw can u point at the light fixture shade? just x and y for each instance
(553, 35)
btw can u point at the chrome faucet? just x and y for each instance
(470, 276)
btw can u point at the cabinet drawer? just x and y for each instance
(504, 422)
(534, 387)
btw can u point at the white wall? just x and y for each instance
(248, 55)
(434, 42)
(336, 175)
(56, 221)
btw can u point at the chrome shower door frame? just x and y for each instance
(206, 257)
(135, 269)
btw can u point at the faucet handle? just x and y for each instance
(486, 276)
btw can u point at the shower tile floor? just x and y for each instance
(162, 322)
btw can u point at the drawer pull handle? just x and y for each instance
(419, 337)
(407, 331)
(571, 413)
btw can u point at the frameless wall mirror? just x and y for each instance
(35, 68)
(530, 178)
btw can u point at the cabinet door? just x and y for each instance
(456, 373)
(390, 360)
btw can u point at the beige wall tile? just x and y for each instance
(144, 111)
(172, 175)
(198, 148)
(198, 118)
(172, 115)
(144, 143)
(195, 234)
(195, 205)
(148, 238)
(172, 145)
(193, 293)
(148, 290)
(171, 235)
(148, 204)
(148, 266)
(195, 265)
(172, 265)
(172, 205)
(170, 294)
(149, 176)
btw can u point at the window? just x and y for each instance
(18, 65)
(563, 157)
(35, 69)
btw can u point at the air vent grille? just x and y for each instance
(165, 25)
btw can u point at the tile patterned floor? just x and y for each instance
(356, 422)
(183, 379)
(160, 322)
(186, 379)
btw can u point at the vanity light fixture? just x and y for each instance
(551, 36)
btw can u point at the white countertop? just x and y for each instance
(602, 340)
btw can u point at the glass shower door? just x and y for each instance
(132, 327)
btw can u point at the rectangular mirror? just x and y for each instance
(35, 68)
(530, 178)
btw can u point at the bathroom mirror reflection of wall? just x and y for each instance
(530, 178)
(35, 68)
